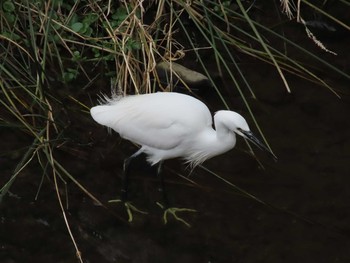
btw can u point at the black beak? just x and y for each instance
(250, 136)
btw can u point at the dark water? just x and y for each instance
(306, 219)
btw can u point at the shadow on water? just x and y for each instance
(307, 189)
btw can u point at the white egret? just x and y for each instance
(169, 125)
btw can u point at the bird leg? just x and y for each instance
(169, 210)
(125, 179)
(161, 188)
(124, 190)
(125, 176)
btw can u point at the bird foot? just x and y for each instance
(172, 211)
(129, 208)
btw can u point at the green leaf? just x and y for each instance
(136, 45)
(10, 18)
(133, 45)
(90, 18)
(76, 27)
(76, 54)
(8, 6)
(96, 52)
(12, 35)
(88, 32)
(121, 14)
(70, 75)
(56, 39)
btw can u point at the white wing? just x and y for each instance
(158, 120)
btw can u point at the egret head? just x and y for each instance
(233, 122)
(239, 125)
(236, 123)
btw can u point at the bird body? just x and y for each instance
(170, 125)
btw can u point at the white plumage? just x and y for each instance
(170, 125)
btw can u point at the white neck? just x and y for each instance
(212, 142)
